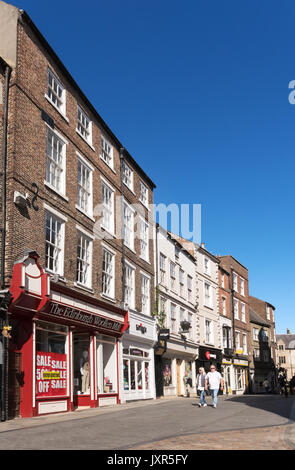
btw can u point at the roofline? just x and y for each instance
(265, 301)
(223, 256)
(26, 18)
(171, 237)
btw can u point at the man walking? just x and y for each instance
(214, 380)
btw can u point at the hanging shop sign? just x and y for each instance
(161, 347)
(51, 374)
(208, 354)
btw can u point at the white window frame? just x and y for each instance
(207, 265)
(181, 282)
(223, 306)
(128, 176)
(236, 309)
(108, 276)
(108, 209)
(189, 288)
(268, 313)
(88, 191)
(173, 317)
(143, 239)
(243, 312)
(107, 155)
(222, 279)
(128, 225)
(143, 194)
(162, 262)
(209, 333)
(237, 339)
(256, 353)
(52, 95)
(172, 267)
(255, 334)
(50, 161)
(56, 218)
(129, 286)
(208, 298)
(245, 348)
(81, 234)
(235, 282)
(145, 294)
(242, 286)
(85, 126)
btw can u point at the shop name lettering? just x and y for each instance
(153, 460)
(73, 314)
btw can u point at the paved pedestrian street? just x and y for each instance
(247, 422)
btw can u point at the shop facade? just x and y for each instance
(241, 377)
(138, 358)
(68, 344)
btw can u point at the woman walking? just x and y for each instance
(201, 386)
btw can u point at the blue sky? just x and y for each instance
(198, 93)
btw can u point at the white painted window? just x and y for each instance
(108, 273)
(189, 288)
(235, 282)
(56, 161)
(181, 314)
(129, 290)
(56, 92)
(268, 313)
(84, 125)
(143, 194)
(145, 294)
(84, 260)
(173, 318)
(54, 243)
(206, 265)
(181, 282)
(242, 286)
(172, 276)
(209, 331)
(237, 338)
(208, 294)
(144, 239)
(107, 207)
(236, 309)
(223, 305)
(243, 312)
(244, 344)
(256, 353)
(255, 334)
(128, 226)
(222, 279)
(190, 319)
(127, 176)
(84, 200)
(107, 152)
(162, 269)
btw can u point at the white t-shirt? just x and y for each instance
(213, 379)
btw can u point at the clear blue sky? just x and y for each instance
(197, 91)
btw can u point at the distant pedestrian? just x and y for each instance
(214, 381)
(266, 385)
(201, 376)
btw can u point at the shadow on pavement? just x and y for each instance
(277, 404)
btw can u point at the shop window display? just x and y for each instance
(135, 370)
(81, 364)
(167, 375)
(51, 360)
(106, 365)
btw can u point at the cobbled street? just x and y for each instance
(247, 422)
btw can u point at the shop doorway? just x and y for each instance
(14, 384)
(178, 375)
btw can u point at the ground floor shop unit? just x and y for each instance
(258, 374)
(64, 352)
(178, 368)
(138, 358)
(235, 375)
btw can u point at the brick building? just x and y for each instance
(225, 313)
(286, 353)
(79, 220)
(267, 312)
(238, 287)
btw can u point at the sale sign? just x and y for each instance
(51, 374)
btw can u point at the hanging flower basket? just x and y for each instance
(185, 325)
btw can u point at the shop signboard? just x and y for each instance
(51, 374)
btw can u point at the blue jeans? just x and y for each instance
(202, 397)
(214, 394)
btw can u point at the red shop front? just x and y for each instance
(66, 342)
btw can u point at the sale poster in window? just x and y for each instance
(51, 374)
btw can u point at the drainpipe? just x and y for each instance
(4, 365)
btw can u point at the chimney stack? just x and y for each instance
(203, 245)
(288, 331)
